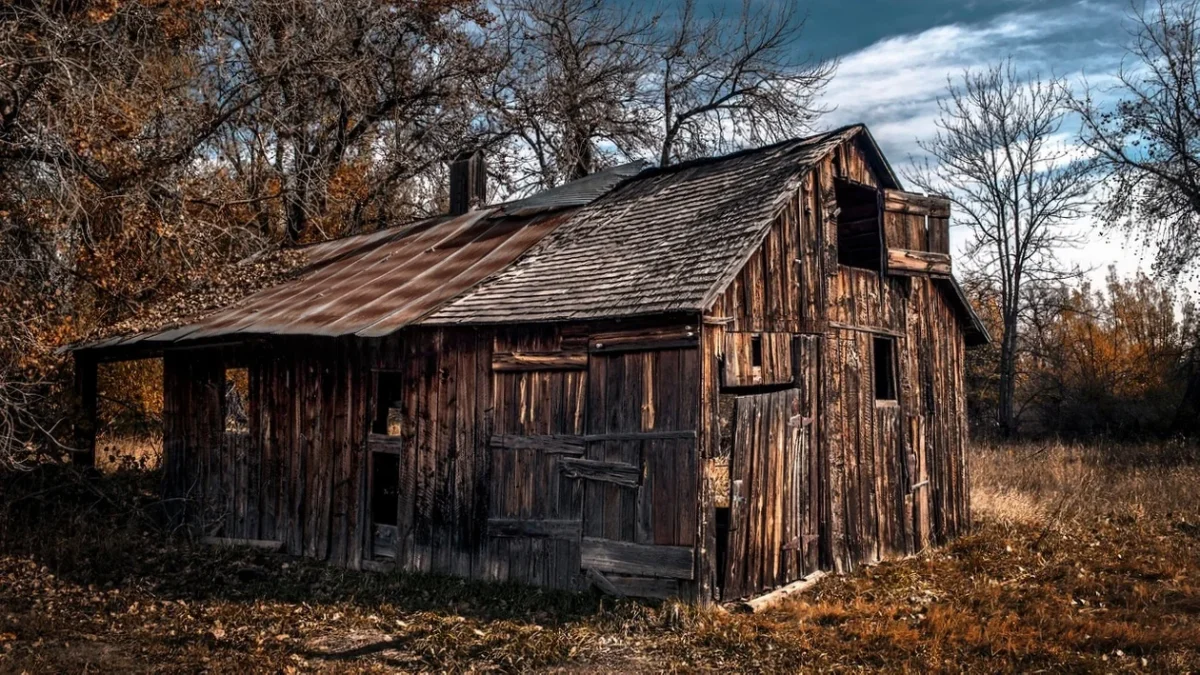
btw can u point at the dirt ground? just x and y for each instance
(1083, 559)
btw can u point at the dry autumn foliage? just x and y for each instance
(158, 158)
(1110, 361)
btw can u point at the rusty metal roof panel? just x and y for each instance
(372, 284)
(662, 241)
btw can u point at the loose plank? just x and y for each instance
(605, 555)
(904, 261)
(617, 473)
(528, 361)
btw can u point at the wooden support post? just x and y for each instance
(85, 422)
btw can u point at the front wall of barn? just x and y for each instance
(807, 465)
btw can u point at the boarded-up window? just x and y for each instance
(885, 369)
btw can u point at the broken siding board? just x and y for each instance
(902, 261)
(647, 339)
(617, 473)
(537, 361)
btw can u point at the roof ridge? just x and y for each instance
(704, 161)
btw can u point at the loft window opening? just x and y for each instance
(389, 404)
(859, 225)
(756, 353)
(236, 405)
(885, 369)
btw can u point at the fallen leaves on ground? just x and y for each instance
(1112, 586)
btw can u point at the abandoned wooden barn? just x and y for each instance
(702, 381)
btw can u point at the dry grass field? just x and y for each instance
(1083, 559)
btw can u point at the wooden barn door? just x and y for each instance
(768, 458)
(534, 522)
(774, 472)
(639, 469)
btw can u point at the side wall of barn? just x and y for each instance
(288, 466)
(558, 455)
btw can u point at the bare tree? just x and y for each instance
(353, 101)
(570, 95)
(1148, 149)
(998, 157)
(590, 82)
(722, 83)
(1148, 142)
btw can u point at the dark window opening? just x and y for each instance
(859, 225)
(756, 354)
(885, 369)
(389, 404)
(236, 406)
(385, 488)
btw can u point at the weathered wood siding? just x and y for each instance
(553, 455)
(296, 474)
(780, 287)
(880, 478)
(571, 454)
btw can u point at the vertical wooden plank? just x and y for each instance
(85, 417)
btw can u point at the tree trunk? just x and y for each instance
(1187, 416)
(1005, 410)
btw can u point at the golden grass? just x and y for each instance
(122, 453)
(1084, 559)
(1062, 485)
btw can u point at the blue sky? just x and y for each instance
(895, 58)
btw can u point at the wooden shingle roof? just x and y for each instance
(663, 241)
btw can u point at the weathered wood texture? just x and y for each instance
(772, 539)
(859, 299)
(505, 462)
(877, 478)
(898, 468)
(907, 224)
(780, 287)
(295, 473)
(636, 401)
(754, 359)
(903, 261)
